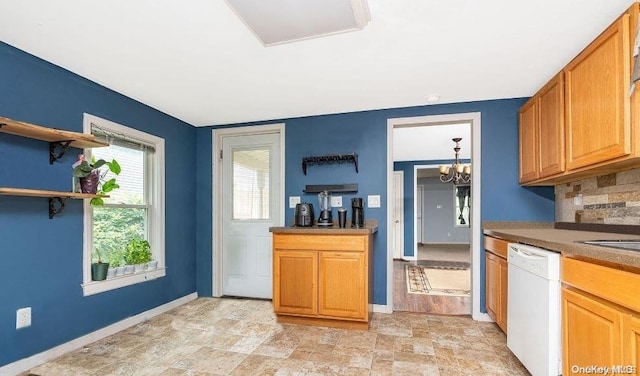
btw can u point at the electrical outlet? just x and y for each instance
(23, 318)
(336, 201)
(293, 200)
(577, 200)
(373, 201)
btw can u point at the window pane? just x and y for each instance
(462, 199)
(113, 228)
(251, 184)
(131, 178)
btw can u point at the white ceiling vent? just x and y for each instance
(283, 21)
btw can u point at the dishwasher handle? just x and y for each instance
(526, 254)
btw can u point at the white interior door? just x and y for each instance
(419, 212)
(398, 214)
(251, 204)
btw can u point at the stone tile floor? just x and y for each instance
(211, 336)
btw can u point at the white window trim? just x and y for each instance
(157, 226)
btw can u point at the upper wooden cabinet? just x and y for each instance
(528, 141)
(551, 127)
(541, 136)
(598, 121)
(585, 122)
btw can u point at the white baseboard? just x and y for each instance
(26, 364)
(382, 308)
(479, 316)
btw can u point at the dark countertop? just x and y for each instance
(371, 227)
(544, 235)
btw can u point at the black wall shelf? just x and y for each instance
(331, 188)
(330, 159)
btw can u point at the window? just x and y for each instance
(133, 211)
(462, 204)
(251, 183)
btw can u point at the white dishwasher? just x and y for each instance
(533, 308)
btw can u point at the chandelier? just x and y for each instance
(457, 173)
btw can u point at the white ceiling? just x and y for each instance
(197, 61)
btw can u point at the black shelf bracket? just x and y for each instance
(56, 206)
(62, 145)
(2, 125)
(330, 159)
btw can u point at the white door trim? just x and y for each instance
(216, 199)
(398, 252)
(476, 228)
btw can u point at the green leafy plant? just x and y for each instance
(138, 252)
(84, 169)
(99, 256)
(116, 259)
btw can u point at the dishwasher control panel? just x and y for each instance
(538, 261)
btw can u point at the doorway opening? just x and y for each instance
(441, 242)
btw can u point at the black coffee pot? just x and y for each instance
(357, 212)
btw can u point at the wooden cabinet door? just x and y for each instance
(631, 344)
(528, 141)
(491, 285)
(591, 331)
(295, 276)
(342, 285)
(503, 278)
(551, 127)
(597, 117)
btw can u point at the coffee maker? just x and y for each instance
(324, 201)
(357, 212)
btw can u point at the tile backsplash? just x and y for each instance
(610, 199)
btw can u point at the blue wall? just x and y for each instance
(366, 134)
(41, 263)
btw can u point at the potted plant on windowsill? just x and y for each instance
(138, 253)
(99, 269)
(92, 176)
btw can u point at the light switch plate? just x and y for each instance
(293, 200)
(373, 201)
(336, 201)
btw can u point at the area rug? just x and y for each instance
(440, 264)
(437, 281)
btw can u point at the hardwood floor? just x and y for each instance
(432, 304)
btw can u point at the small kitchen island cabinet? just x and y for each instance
(323, 276)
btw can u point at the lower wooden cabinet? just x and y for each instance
(341, 287)
(323, 279)
(600, 317)
(496, 280)
(296, 275)
(591, 332)
(631, 341)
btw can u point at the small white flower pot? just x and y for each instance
(120, 271)
(111, 272)
(129, 269)
(139, 267)
(152, 265)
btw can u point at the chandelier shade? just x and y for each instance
(457, 173)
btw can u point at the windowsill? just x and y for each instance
(96, 287)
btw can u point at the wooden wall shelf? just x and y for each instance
(57, 138)
(56, 198)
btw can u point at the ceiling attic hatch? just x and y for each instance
(283, 21)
